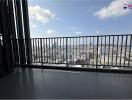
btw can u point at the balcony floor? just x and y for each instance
(44, 83)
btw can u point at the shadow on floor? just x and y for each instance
(54, 84)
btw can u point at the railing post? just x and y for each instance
(130, 51)
(66, 54)
(125, 50)
(41, 52)
(97, 53)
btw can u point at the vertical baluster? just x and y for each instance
(57, 51)
(55, 48)
(125, 51)
(41, 52)
(86, 49)
(66, 54)
(36, 51)
(97, 52)
(76, 48)
(105, 51)
(52, 48)
(121, 50)
(69, 51)
(113, 50)
(117, 49)
(44, 50)
(129, 60)
(83, 48)
(93, 50)
(90, 51)
(101, 52)
(33, 51)
(60, 51)
(49, 51)
(109, 53)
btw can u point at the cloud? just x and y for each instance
(50, 33)
(33, 25)
(45, 34)
(97, 32)
(40, 14)
(114, 9)
(78, 33)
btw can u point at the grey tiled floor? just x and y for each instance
(42, 83)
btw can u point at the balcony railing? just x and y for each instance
(104, 51)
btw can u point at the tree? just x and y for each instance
(80, 62)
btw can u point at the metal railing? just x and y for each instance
(112, 51)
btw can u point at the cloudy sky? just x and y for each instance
(51, 18)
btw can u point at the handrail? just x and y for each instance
(84, 36)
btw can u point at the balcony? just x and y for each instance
(54, 84)
(53, 68)
(106, 52)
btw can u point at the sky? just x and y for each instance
(57, 18)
